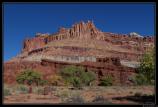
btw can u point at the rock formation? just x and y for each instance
(81, 45)
(80, 30)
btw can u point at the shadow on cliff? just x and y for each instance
(139, 99)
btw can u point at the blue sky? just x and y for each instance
(24, 20)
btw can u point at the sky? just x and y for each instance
(24, 20)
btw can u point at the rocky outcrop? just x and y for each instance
(81, 45)
(102, 67)
(34, 43)
(13, 68)
(80, 30)
(86, 31)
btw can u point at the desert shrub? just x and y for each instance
(100, 99)
(63, 94)
(106, 81)
(75, 99)
(88, 77)
(55, 79)
(6, 91)
(76, 82)
(43, 82)
(38, 90)
(146, 70)
(22, 89)
(29, 76)
(77, 76)
(140, 79)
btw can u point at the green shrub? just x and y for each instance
(38, 90)
(77, 76)
(23, 89)
(70, 71)
(29, 76)
(6, 92)
(140, 79)
(146, 70)
(88, 77)
(76, 82)
(106, 81)
(43, 82)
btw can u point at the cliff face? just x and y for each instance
(81, 44)
(34, 43)
(81, 31)
(84, 39)
(87, 32)
(107, 66)
(11, 69)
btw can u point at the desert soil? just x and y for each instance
(88, 93)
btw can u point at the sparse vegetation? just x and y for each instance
(106, 81)
(77, 76)
(28, 77)
(43, 82)
(22, 89)
(62, 94)
(100, 99)
(75, 99)
(76, 82)
(146, 70)
(88, 77)
(55, 80)
(38, 90)
(6, 91)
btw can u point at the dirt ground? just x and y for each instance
(113, 94)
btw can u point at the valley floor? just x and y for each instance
(87, 95)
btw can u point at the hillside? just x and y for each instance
(84, 39)
(81, 45)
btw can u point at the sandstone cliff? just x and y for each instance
(88, 41)
(81, 44)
